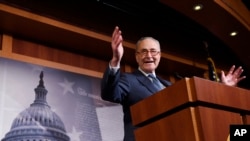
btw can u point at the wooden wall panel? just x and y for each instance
(51, 54)
(237, 9)
(35, 53)
(0, 41)
(38, 54)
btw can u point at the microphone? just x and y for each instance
(176, 75)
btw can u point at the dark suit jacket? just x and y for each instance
(127, 89)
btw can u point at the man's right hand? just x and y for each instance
(117, 47)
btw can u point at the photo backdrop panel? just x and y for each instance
(74, 98)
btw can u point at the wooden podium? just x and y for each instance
(192, 109)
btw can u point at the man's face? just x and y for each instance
(148, 55)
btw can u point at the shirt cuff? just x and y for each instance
(114, 69)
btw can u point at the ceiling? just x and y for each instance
(180, 30)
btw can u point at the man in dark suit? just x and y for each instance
(129, 88)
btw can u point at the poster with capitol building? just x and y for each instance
(44, 104)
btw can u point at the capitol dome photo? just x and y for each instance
(38, 122)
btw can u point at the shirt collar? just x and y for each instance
(146, 74)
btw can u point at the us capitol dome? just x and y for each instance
(38, 122)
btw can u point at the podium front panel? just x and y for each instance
(215, 124)
(176, 127)
(190, 124)
(192, 109)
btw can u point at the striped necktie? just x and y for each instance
(157, 84)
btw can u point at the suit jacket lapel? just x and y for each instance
(145, 81)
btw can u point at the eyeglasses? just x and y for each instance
(152, 52)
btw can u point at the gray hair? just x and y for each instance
(143, 38)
